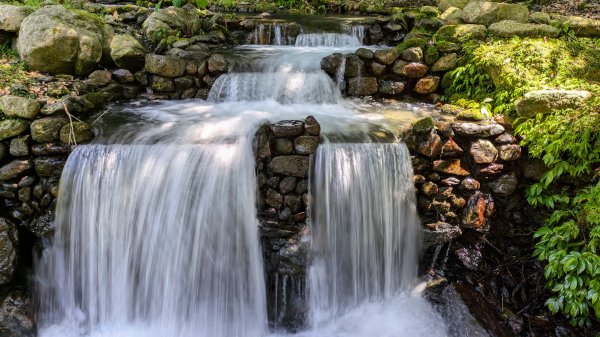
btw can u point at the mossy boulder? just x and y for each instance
(540, 17)
(22, 107)
(586, 27)
(509, 28)
(127, 52)
(171, 21)
(443, 5)
(166, 66)
(460, 33)
(423, 125)
(56, 40)
(11, 17)
(486, 13)
(452, 16)
(445, 63)
(75, 133)
(12, 127)
(544, 101)
(470, 115)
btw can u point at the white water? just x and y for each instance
(157, 233)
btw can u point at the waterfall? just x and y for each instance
(327, 40)
(359, 32)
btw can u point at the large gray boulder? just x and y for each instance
(509, 28)
(127, 52)
(443, 5)
(15, 106)
(56, 40)
(486, 13)
(170, 22)
(11, 17)
(544, 101)
(582, 26)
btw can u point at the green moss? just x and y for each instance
(460, 33)
(417, 42)
(423, 125)
(471, 115)
(431, 55)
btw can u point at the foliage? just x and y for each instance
(568, 142)
(12, 70)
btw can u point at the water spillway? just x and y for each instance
(157, 227)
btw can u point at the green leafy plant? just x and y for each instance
(202, 4)
(177, 3)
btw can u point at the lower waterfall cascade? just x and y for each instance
(157, 228)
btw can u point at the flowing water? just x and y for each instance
(157, 230)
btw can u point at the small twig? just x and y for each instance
(71, 129)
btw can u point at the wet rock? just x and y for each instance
(217, 64)
(99, 78)
(491, 169)
(127, 52)
(427, 85)
(470, 258)
(293, 202)
(505, 138)
(391, 87)
(424, 125)
(162, 84)
(477, 212)
(302, 186)
(24, 194)
(183, 83)
(445, 63)
(439, 233)
(398, 66)
(451, 149)
(429, 188)
(450, 166)
(332, 63)
(440, 206)
(123, 76)
(8, 250)
(76, 133)
(306, 144)
(165, 66)
(311, 126)
(287, 185)
(296, 166)
(15, 106)
(287, 128)
(505, 185)
(284, 146)
(415, 70)
(355, 67)
(414, 54)
(509, 152)
(274, 199)
(19, 146)
(386, 56)
(470, 184)
(48, 149)
(273, 182)
(362, 86)
(14, 169)
(377, 69)
(285, 214)
(16, 316)
(47, 129)
(451, 181)
(430, 146)
(48, 166)
(477, 130)
(483, 151)
(364, 53)
(418, 179)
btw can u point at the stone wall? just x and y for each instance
(283, 153)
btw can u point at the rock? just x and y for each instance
(47, 129)
(440, 233)
(483, 151)
(293, 202)
(12, 127)
(306, 144)
(423, 125)
(42, 226)
(377, 69)
(165, 66)
(450, 166)
(508, 28)
(76, 133)
(15, 106)
(414, 54)
(540, 17)
(99, 78)
(477, 212)
(48, 166)
(391, 87)
(452, 16)
(427, 85)
(386, 56)
(414, 70)
(534, 169)
(470, 184)
(429, 188)
(274, 199)
(302, 186)
(364, 53)
(486, 13)
(16, 316)
(284, 146)
(362, 86)
(445, 63)
(57, 89)
(217, 64)
(451, 149)
(460, 33)
(430, 146)
(544, 101)
(505, 185)
(19, 146)
(183, 83)
(171, 21)
(445, 4)
(123, 76)
(288, 184)
(56, 40)
(491, 169)
(451, 181)
(296, 166)
(505, 138)
(477, 130)
(8, 250)
(332, 63)
(14, 169)
(311, 126)
(586, 27)
(287, 128)
(127, 52)
(11, 17)
(470, 258)
(509, 152)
